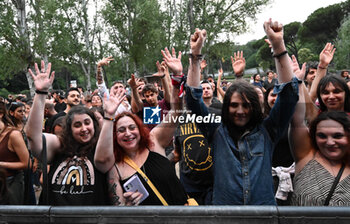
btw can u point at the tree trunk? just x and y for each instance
(27, 55)
(190, 15)
(87, 67)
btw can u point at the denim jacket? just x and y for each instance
(242, 175)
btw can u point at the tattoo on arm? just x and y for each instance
(112, 190)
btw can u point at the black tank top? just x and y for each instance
(162, 174)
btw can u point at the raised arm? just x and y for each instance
(161, 67)
(326, 57)
(164, 132)
(311, 108)
(299, 139)
(136, 102)
(99, 75)
(218, 85)
(196, 42)
(33, 128)
(104, 155)
(274, 32)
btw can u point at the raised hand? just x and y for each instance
(166, 71)
(238, 62)
(220, 73)
(197, 41)
(105, 61)
(274, 32)
(268, 42)
(299, 73)
(326, 55)
(173, 62)
(133, 83)
(203, 64)
(111, 104)
(161, 67)
(42, 79)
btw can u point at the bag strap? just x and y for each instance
(336, 181)
(44, 169)
(148, 181)
(27, 182)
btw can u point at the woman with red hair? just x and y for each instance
(126, 137)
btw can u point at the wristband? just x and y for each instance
(196, 57)
(162, 76)
(280, 54)
(323, 67)
(109, 119)
(41, 92)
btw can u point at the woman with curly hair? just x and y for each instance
(73, 178)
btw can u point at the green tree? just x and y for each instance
(321, 26)
(137, 30)
(264, 58)
(73, 37)
(291, 38)
(15, 44)
(305, 55)
(221, 18)
(342, 56)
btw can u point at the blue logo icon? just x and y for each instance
(151, 115)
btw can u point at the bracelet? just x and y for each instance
(162, 76)
(41, 92)
(109, 119)
(196, 57)
(323, 67)
(280, 54)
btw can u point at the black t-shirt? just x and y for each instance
(196, 158)
(268, 84)
(76, 181)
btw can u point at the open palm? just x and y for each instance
(42, 79)
(111, 104)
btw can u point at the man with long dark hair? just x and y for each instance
(243, 142)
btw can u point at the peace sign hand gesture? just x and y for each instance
(42, 79)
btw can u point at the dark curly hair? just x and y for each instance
(70, 146)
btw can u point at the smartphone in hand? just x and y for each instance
(134, 184)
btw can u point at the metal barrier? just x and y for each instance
(175, 214)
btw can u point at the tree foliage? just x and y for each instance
(74, 35)
(321, 26)
(342, 56)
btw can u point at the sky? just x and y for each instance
(284, 11)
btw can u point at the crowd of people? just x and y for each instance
(280, 139)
